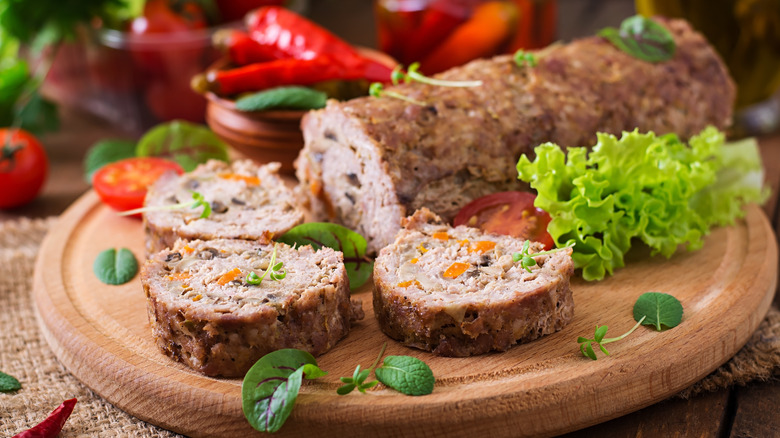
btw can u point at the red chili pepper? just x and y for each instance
(52, 425)
(288, 35)
(263, 75)
(241, 48)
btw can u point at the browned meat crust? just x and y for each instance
(368, 162)
(223, 329)
(491, 306)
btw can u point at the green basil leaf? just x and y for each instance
(642, 38)
(406, 374)
(106, 152)
(658, 309)
(115, 267)
(271, 386)
(301, 98)
(9, 383)
(352, 244)
(38, 115)
(185, 143)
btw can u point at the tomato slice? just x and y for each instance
(510, 213)
(122, 185)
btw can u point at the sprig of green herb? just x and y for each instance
(651, 308)
(377, 89)
(9, 383)
(358, 377)
(642, 38)
(523, 58)
(198, 201)
(413, 74)
(272, 271)
(527, 260)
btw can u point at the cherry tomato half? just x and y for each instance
(122, 185)
(510, 213)
(23, 167)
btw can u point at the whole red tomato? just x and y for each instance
(23, 167)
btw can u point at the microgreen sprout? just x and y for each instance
(413, 74)
(376, 89)
(273, 271)
(359, 377)
(198, 201)
(523, 58)
(527, 260)
(586, 346)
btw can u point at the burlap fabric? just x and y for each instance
(45, 383)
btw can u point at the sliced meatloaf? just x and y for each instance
(205, 313)
(369, 162)
(247, 202)
(458, 292)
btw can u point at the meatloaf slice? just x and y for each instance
(369, 162)
(247, 202)
(457, 291)
(204, 313)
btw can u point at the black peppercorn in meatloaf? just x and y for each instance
(458, 292)
(369, 162)
(205, 313)
(247, 202)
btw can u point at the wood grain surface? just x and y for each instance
(100, 333)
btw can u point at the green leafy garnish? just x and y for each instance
(653, 188)
(273, 271)
(657, 309)
(357, 381)
(9, 383)
(376, 89)
(106, 152)
(413, 74)
(598, 338)
(283, 97)
(406, 374)
(642, 38)
(271, 386)
(185, 143)
(527, 260)
(350, 243)
(523, 58)
(197, 201)
(115, 267)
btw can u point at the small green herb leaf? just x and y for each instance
(642, 38)
(273, 271)
(350, 243)
(523, 58)
(302, 98)
(198, 201)
(406, 374)
(185, 143)
(115, 267)
(377, 89)
(345, 389)
(658, 309)
(105, 152)
(9, 383)
(527, 260)
(271, 386)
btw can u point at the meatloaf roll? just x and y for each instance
(247, 202)
(458, 292)
(369, 162)
(205, 310)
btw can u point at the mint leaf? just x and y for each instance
(658, 309)
(350, 243)
(642, 38)
(406, 374)
(106, 152)
(302, 98)
(9, 383)
(271, 386)
(185, 143)
(115, 267)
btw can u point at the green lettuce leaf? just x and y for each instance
(653, 188)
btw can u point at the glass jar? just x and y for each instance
(440, 34)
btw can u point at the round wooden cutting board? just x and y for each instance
(101, 334)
